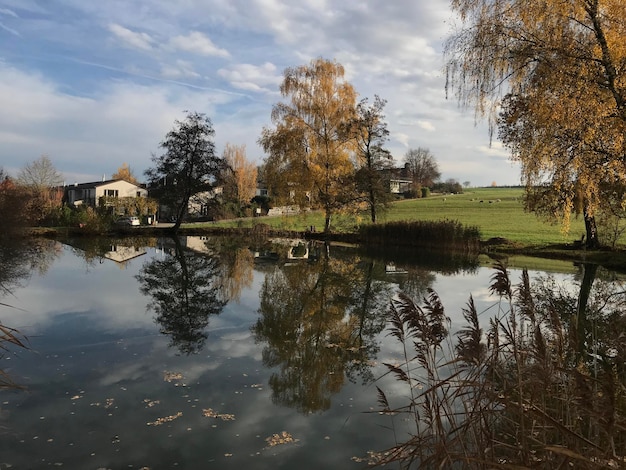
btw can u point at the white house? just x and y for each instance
(90, 193)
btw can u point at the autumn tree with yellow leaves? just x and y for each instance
(550, 77)
(309, 150)
(125, 173)
(241, 174)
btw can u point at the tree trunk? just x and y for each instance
(581, 325)
(592, 242)
(180, 214)
(327, 223)
(373, 205)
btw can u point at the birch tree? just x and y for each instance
(549, 76)
(310, 148)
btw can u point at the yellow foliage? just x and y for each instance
(310, 149)
(550, 75)
(125, 173)
(244, 172)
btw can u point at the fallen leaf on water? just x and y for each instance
(166, 419)
(279, 439)
(210, 413)
(171, 376)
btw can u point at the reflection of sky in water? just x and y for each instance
(96, 388)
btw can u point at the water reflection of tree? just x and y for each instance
(416, 282)
(237, 263)
(543, 388)
(415, 269)
(18, 259)
(184, 291)
(319, 321)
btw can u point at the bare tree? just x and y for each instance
(423, 167)
(41, 182)
(40, 174)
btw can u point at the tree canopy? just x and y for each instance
(125, 173)
(241, 175)
(371, 133)
(310, 149)
(189, 165)
(550, 76)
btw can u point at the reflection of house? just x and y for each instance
(90, 193)
(296, 248)
(197, 244)
(120, 254)
(391, 268)
(299, 250)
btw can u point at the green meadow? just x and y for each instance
(500, 214)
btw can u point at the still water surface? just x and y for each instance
(201, 354)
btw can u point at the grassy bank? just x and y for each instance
(500, 214)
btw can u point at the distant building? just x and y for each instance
(90, 193)
(400, 180)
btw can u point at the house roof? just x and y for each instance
(96, 184)
(399, 174)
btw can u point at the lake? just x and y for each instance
(201, 353)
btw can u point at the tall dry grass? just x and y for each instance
(443, 234)
(529, 391)
(9, 337)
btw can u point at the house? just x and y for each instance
(90, 193)
(400, 180)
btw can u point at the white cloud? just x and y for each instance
(427, 126)
(252, 78)
(197, 43)
(392, 49)
(131, 38)
(85, 137)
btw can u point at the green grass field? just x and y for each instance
(500, 214)
(503, 217)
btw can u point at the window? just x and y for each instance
(111, 192)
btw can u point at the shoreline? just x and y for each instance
(496, 248)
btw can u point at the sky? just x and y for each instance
(96, 84)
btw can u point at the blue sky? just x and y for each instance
(95, 84)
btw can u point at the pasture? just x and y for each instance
(500, 214)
